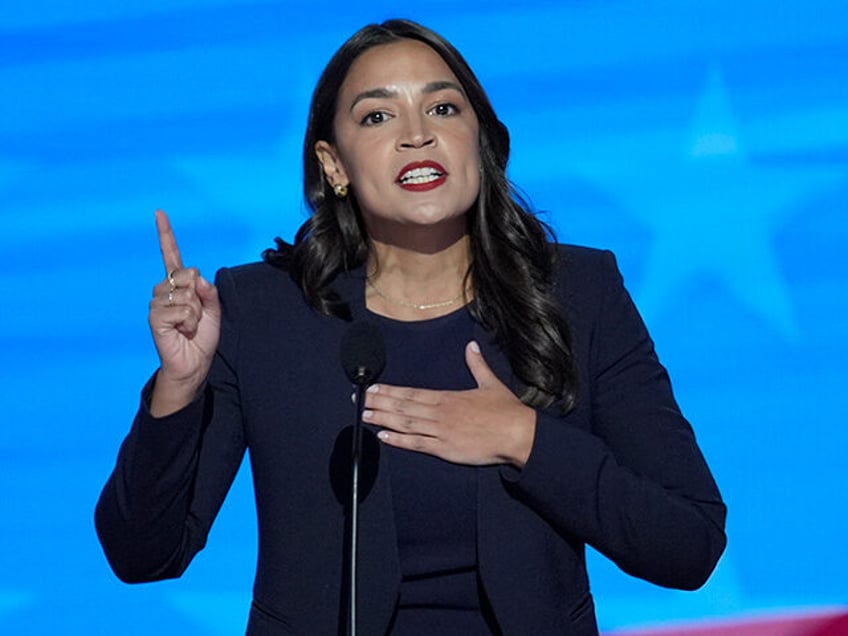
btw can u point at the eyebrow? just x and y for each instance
(385, 93)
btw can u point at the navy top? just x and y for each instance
(435, 501)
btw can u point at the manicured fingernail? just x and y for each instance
(383, 436)
(475, 347)
(373, 388)
(366, 414)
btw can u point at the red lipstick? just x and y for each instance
(420, 176)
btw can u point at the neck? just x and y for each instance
(408, 284)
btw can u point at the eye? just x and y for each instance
(374, 118)
(445, 110)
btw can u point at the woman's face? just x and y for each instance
(406, 141)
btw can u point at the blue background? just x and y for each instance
(706, 143)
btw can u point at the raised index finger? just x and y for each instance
(168, 243)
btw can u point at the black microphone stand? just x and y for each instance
(363, 355)
(360, 381)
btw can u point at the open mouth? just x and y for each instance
(422, 175)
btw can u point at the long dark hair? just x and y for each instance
(512, 255)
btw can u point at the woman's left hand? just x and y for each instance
(486, 425)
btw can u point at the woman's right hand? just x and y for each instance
(185, 319)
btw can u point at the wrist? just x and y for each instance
(523, 435)
(172, 394)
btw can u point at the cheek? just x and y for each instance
(472, 162)
(473, 185)
(469, 141)
(363, 163)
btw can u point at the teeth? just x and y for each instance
(420, 175)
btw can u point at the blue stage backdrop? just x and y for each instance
(706, 143)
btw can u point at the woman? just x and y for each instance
(522, 412)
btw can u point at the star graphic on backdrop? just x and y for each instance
(713, 212)
(218, 613)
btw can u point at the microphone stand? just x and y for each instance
(356, 455)
(363, 356)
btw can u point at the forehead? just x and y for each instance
(396, 64)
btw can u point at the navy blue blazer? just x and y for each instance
(621, 472)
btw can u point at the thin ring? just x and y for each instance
(171, 280)
(171, 297)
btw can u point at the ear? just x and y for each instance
(331, 163)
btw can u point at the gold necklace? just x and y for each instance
(406, 303)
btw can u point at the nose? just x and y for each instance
(416, 134)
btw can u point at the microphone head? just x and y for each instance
(363, 353)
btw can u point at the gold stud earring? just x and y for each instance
(340, 190)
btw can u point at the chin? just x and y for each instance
(436, 219)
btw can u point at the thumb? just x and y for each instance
(208, 294)
(483, 375)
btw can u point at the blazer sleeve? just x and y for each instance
(172, 473)
(622, 471)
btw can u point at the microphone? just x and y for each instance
(363, 355)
